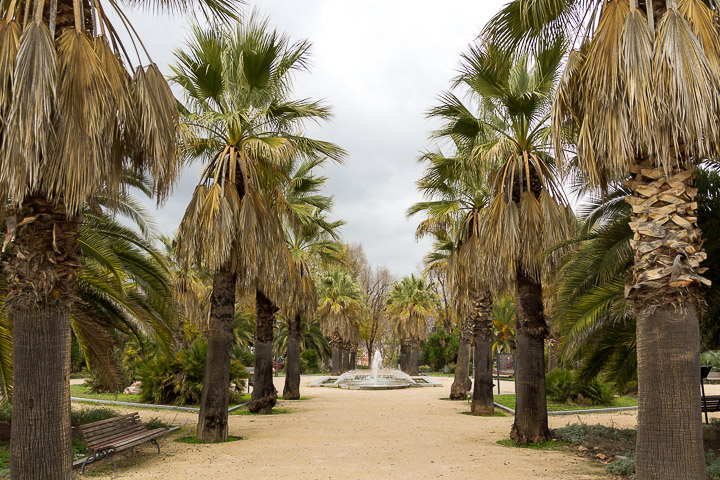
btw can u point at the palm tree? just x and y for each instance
(651, 119)
(239, 118)
(64, 71)
(340, 302)
(504, 325)
(526, 212)
(309, 236)
(411, 302)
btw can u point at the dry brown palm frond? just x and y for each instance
(9, 43)
(636, 71)
(156, 115)
(567, 108)
(704, 24)
(28, 135)
(686, 91)
(79, 163)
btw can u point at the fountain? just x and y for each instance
(377, 379)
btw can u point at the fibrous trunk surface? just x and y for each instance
(531, 420)
(461, 384)
(213, 418)
(663, 290)
(42, 279)
(264, 394)
(482, 398)
(291, 391)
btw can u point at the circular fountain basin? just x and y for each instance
(383, 380)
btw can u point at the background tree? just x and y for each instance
(240, 120)
(411, 302)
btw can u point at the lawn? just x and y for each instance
(624, 401)
(82, 391)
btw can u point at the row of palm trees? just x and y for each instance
(622, 96)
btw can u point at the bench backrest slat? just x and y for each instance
(98, 433)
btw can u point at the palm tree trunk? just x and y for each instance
(42, 279)
(353, 357)
(461, 384)
(404, 354)
(213, 418)
(291, 391)
(414, 349)
(482, 399)
(264, 394)
(335, 343)
(345, 358)
(669, 438)
(531, 420)
(663, 292)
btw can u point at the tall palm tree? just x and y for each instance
(640, 95)
(458, 193)
(310, 236)
(239, 118)
(340, 302)
(411, 302)
(504, 325)
(527, 212)
(64, 71)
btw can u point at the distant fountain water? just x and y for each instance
(376, 363)
(379, 378)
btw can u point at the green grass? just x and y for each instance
(4, 460)
(193, 440)
(625, 401)
(245, 411)
(497, 414)
(83, 392)
(546, 445)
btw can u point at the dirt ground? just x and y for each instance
(341, 434)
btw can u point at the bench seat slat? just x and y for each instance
(119, 439)
(88, 427)
(109, 438)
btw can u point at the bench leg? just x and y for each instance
(113, 462)
(88, 459)
(154, 442)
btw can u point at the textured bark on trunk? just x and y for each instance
(404, 354)
(669, 438)
(413, 360)
(336, 361)
(213, 418)
(353, 358)
(461, 384)
(482, 398)
(663, 291)
(345, 355)
(264, 394)
(291, 391)
(42, 280)
(531, 420)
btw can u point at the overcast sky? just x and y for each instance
(380, 64)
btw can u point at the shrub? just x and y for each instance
(624, 467)
(177, 379)
(564, 386)
(5, 412)
(155, 422)
(425, 368)
(439, 349)
(90, 415)
(574, 433)
(309, 361)
(712, 358)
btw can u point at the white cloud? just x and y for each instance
(381, 65)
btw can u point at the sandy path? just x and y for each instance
(340, 434)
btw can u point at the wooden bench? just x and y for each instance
(108, 437)
(711, 403)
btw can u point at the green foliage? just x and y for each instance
(440, 349)
(712, 358)
(564, 385)
(544, 445)
(309, 361)
(177, 379)
(156, 422)
(574, 433)
(5, 412)
(90, 415)
(623, 467)
(712, 466)
(4, 460)
(193, 440)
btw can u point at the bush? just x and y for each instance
(564, 386)
(5, 412)
(574, 433)
(712, 358)
(309, 361)
(177, 380)
(623, 467)
(155, 422)
(425, 368)
(90, 415)
(439, 349)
